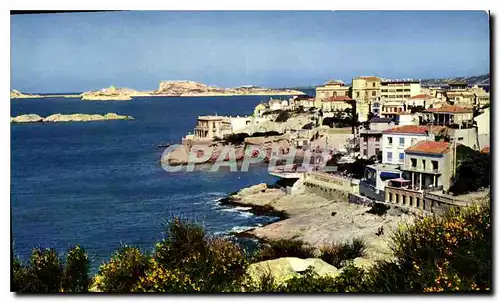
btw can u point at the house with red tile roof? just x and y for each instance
(452, 116)
(427, 167)
(336, 103)
(333, 88)
(422, 100)
(396, 140)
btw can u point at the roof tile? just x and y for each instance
(431, 147)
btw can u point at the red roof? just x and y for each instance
(420, 96)
(431, 147)
(485, 149)
(339, 99)
(449, 109)
(408, 129)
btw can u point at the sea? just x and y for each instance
(101, 184)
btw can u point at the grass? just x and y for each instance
(338, 253)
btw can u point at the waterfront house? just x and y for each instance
(427, 167)
(396, 140)
(375, 178)
(371, 136)
(275, 104)
(211, 126)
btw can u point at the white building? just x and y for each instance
(483, 128)
(396, 140)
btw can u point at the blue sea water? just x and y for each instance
(100, 184)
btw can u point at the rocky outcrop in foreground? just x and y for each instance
(16, 94)
(78, 117)
(112, 94)
(191, 88)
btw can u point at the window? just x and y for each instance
(335, 93)
(434, 165)
(401, 141)
(401, 157)
(357, 94)
(389, 156)
(374, 93)
(365, 152)
(377, 139)
(389, 140)
(423, 164)
(413, 162)
(373, 84)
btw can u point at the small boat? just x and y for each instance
(163, 145)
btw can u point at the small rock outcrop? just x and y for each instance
(27, 118)
(252, 190)
(16, 94)
(78, 117)
(283, 269)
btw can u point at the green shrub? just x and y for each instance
(123, 270)
(44, 273)
(283, 248)
(214, 264)
(160, 279)
(451, 252)
(337, 253)
(75, 276)
(19, 275)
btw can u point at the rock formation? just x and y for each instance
(78, 117)
(16, 94)
(191, 88)
(112, 94)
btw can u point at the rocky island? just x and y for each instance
(16, 94)
(78, 117)
(191, 88)
(112, 94)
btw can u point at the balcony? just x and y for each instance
(420, 170)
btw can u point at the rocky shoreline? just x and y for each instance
(318, 221)
(77, 117)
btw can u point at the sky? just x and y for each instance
(74, 52)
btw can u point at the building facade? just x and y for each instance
(452, 116)
(332, 88)
(399, 90)
(366, 89)
(396, 140)
(371, 137)
(336, 103)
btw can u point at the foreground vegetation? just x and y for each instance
(446, 253)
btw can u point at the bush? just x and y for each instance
(337, 254)
(161, 279)
(351, 279)
(447, 253)
(214, 264)
(19, 276)
(236, 138)
(75, 276)
(472, 174)
(44, 273)
(283, 248)
(282, 117)
(378, 209)
(123, 270)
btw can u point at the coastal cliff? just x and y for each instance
(112, 94)
(191, 88)
(78, 117)
(16, 94)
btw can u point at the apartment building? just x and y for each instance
(399, 90)
(366, 89)
(392, 108)
(427, 167)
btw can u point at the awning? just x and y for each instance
(401, 180)
(389, 175)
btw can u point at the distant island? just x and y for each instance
(16, 94)
(77, 117)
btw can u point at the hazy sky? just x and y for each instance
(85, 51)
